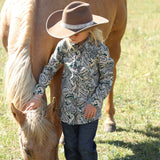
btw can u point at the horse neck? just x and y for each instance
(19, 78)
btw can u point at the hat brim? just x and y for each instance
(55, 29)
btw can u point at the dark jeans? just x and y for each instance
(79, 141)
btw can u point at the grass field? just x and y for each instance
(137, 94)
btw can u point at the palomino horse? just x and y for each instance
(29, 47)
(37, 136)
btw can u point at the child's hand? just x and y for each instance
(34, 103)
(90, 111)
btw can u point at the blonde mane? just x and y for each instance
(37, 126)
(20, 82)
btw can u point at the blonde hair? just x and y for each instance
(96, 35)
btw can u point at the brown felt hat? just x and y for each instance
(76, 17)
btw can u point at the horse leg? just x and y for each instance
(4, 25)
(115, 49)
(55, 91)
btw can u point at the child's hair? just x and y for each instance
(96, 35)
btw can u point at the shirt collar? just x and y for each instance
(82, 44)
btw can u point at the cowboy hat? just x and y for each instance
(76, 17)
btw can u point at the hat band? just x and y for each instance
(79, 26)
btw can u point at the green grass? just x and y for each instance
(137, 94)
(1, 3)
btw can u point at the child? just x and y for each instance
(87, 77)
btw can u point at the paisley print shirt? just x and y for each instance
(87, 78)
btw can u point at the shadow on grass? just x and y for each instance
(150, 131)
(145, 150)
(141, 151)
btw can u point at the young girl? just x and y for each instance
(87, 77)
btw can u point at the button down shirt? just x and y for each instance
(87, 78)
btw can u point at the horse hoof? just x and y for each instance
(110, 128)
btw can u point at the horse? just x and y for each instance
(35, 131)
(29, 47)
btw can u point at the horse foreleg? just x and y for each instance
(55, 91)
(4, 28)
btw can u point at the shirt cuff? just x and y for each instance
(39, 90)
(94, 102)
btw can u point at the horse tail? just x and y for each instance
(19, 81)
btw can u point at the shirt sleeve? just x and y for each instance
(49, 70)
(106, 65)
